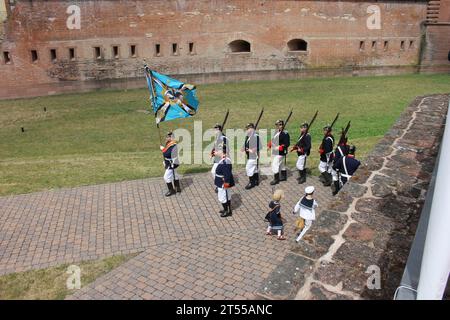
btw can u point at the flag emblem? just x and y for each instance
(170, 98)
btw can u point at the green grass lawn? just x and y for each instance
(51, 283)
(105, 136)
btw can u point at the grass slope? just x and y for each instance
(105, 136)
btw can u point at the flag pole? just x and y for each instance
(159, 133)
(149, 73)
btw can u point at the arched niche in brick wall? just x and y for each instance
(237, 46)
(297, 45)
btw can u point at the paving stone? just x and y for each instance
(330, 222)
(362, 175)
(361, 232)
(287, 278)
(356, 190)
(318, 292)
(342, 201)
(373, 162)
(381, 190)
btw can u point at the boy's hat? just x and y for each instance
(309, 190)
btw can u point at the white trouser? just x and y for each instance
(308, 224)
(251, 167)
(301, 162)
(278, 164)
(323, 167)
(334, 175)
(213, 170)
(170, 174)
(224, 195)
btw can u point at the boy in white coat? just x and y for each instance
(306, 209)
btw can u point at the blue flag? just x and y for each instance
(170, 98)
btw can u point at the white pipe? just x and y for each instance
(435, 268)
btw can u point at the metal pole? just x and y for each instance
(435, 268)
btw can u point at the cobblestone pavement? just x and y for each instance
(186, 249)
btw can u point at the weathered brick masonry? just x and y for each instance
(44, 50)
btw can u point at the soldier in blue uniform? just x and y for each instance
(252, 146)
(220, 147)
(224, 181)
(303, 148)
(171, 163)
(279, 144)
(326, 156)
(346, 166)
(340, 151)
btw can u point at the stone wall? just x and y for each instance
(373, 219)
(62, 87)
(336, 33)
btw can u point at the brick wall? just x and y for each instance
(336, 33)
(437, 40)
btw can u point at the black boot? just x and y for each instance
(177, 186)
(251, 182)
(283, 176)
(171, 189)
(322, 177)
(328, 179)
(302, 178)
(336, 188)
(229, 212)
(224, 210)
(256, 176)
(276, 179)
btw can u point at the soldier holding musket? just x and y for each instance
(221, 144)
(279, 144)
(326, 154)
(340, 151)
(346, 166)
(252, 146)
(303, 148)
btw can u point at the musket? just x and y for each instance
(312, 121)
(282, 129)
(225, 120)
(287, 120)
(259, 118)
(331, 127)
(307, 129)
(344, 133)
(334, 121)
(256, 126)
